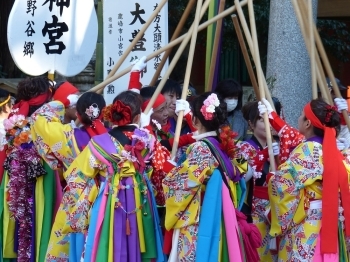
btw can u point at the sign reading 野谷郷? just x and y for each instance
(52, 35)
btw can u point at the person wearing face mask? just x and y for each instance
(232, 93)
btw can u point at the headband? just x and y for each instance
(335, 176)
(6, 101)
(23, 106)
(160, 100)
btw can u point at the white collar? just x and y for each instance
(204, 135)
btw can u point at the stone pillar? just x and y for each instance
(287, 59)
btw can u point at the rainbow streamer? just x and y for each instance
(213, 10)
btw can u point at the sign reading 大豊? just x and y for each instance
(52, 35)
(122, 21)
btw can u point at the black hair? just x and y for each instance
(230, 88)
(322, 110)
(251, 113)
(131, 99)
(85, 101)
(147, 92)
(33, 87)
(170, 86)
(219, 115)
(5, 95)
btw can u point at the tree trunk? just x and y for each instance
(287, 60)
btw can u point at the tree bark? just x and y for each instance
(287, 59)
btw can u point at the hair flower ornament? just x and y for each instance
(209, 105)
(93, 111)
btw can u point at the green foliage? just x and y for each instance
(335, 37)
(335, 34)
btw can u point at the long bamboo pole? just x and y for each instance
(249, 39)
(176, 57)
(174, 36)
(321, 79)
(312, 50)
(330, 72)
(171, 44)
(215, 51)
(246, 56)
(187, 77)
(137, 38)
(260, 81)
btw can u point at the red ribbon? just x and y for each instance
(335, 176)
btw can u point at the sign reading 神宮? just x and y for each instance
(52, 35)
(122, 21)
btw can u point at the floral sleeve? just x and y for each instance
(290, 185)
(81, 190)
(52, 139)
(183, 186)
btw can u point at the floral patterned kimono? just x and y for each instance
(295, 193)
(59, 144)
(257, 198)
(119, 216)
(200, 206)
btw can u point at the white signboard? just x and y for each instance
(52, 35)
(122, 21)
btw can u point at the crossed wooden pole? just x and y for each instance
(260, 86)
(313, 42)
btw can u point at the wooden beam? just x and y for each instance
(333, 8)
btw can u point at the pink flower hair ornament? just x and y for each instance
(93, 112)
(209, 105)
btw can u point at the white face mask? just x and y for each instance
(231, 104)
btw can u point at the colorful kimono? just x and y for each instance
(257, 198)
(27, 206)
(198, 197)
(295, 193)
(119, 217)
(59, 144)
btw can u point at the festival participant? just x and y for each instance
(201, 189)
(29, 184)
(255, 151)
(171, 92)
(290, 138)
(309, 193)
(121, 221)
(232, 93)
(59, 144)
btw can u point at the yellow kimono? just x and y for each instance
(118, 178)
(295, 192)
(56, 143)
(184, 188)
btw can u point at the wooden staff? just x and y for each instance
(187, 78)
(215, 51)
(166, 47)
(321, 79)
(260, 80)
(137, 38)
(246, 56)
(174, 36)
(252, 50)
(176, 57)
(312, 51)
